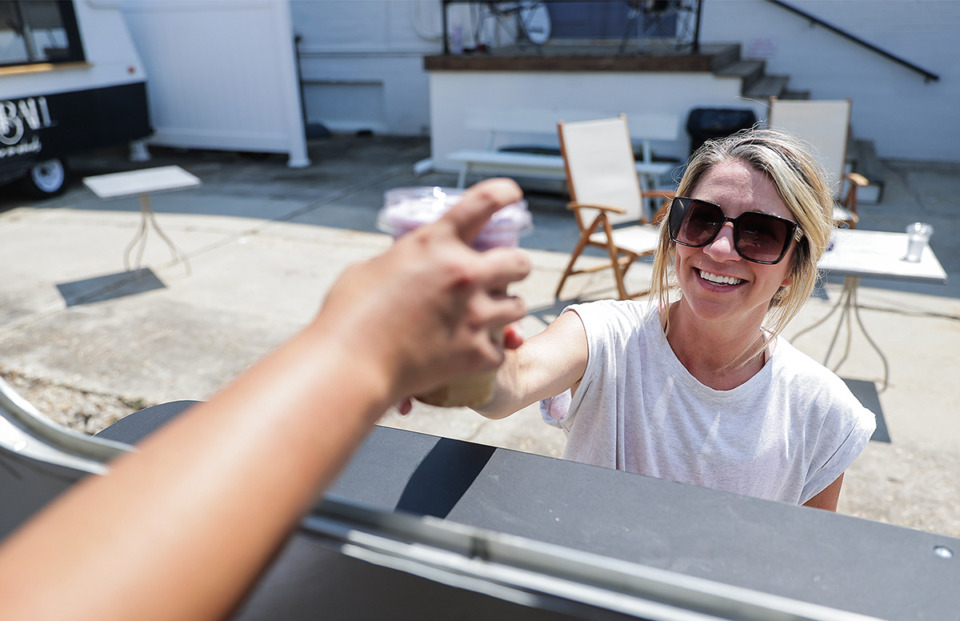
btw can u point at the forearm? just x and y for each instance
(541, 367)
(511, 392)
(191, 547)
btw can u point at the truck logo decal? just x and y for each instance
(27, 147)
(17, 116)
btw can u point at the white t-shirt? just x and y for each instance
(785, 434)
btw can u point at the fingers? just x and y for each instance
(492, 272)
(499, 267)
(512, 336)
(479, 203)
(500, 311)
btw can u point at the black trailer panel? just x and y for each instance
(47, 126)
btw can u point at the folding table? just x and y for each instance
(855, 253)
(144, 182)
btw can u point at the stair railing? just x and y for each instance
(927, 75)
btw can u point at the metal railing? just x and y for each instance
(504, 11)
(927, 75)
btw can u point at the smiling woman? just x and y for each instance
(700, 389)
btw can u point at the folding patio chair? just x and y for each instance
(825, 125)
(605, 191)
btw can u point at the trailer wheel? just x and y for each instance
(46, 179)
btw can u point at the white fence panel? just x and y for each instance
(221, 74)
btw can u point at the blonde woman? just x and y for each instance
(699, 387)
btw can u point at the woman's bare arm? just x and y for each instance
(829, 498)
(541, 367)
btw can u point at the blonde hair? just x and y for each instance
(801, 185)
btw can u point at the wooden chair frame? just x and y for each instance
(598, 230)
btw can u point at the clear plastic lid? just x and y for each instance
(405, 209)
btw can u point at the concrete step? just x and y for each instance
(722, 55)
(767, 86)
(865, 161)
(750, 71)
(795, 95)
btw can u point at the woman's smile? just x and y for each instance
(718, 279)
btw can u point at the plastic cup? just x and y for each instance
(918, 236)
(404, 210)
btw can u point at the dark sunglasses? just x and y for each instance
(758, 237)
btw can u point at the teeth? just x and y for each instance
(720, 280)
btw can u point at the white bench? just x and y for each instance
(523, 125)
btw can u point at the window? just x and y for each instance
(622, 19)
(38, 31)
(588, 20)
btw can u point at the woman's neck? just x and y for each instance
(720, 357)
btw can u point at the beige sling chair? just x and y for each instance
(605, 191)
(825, 125)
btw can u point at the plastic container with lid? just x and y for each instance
(405, 209)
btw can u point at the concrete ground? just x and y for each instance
(85, 341)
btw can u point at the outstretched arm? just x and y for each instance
(542, 367)
(172, 532)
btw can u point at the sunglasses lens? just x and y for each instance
(695, 223)
(762, 237)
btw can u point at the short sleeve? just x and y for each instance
(848, 441)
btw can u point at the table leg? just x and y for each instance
(876, 348)
(141, 236)
(147, 218)
(847, 297)
(823, 319)
(849, 310)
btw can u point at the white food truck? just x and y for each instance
(70, 81)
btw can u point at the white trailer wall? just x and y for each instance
(221, 74)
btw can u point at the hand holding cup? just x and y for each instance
(407, 210)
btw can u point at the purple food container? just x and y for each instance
(405, 209)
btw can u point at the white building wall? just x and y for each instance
(361, 62)
(905, 117)
(455, 93)
(221, 74)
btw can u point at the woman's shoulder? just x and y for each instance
(634, 311)
(806, 380)
(615, 321)
(797, 365)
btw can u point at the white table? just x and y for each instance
(143, 183)
(857, 253)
